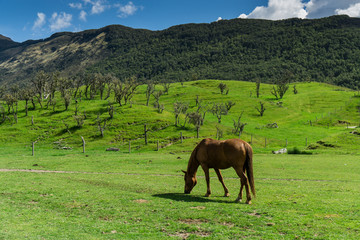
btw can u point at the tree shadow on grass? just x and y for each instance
(180, 197)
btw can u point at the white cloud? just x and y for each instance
(126, 10)
(83, 16)
(278, 9)
(352, 11)
(98, 7)
(40, 21)
(282, 9)
(60, 21)
(325, 8)
(76, 5)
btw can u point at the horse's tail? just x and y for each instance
(249, 168)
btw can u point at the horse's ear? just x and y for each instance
(184, 171)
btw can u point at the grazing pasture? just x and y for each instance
(116, 195)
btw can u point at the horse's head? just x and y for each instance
(190, 182)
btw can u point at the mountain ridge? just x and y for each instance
(324, 50)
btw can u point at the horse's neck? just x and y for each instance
(192, 166)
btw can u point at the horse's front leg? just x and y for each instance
(222, 182)
(207, 177)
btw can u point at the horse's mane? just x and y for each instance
(193, 162)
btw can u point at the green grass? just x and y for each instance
(324, 105)
(117, 195)
(139, 196)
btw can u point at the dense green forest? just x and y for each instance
(325, 50)
(322, 50)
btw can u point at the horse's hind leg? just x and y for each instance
(244, 182)
(222, 182)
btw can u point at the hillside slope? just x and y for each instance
(323, 50)
(318, 112)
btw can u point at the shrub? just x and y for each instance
(295, 150)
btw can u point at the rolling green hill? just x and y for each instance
(315, 119)
(322, 50)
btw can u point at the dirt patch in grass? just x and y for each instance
(141, 201)
(198, 207)
(228, 224)
(255, 214)
(185, 235)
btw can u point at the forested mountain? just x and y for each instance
(324, 50)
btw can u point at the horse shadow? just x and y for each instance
(181, 197)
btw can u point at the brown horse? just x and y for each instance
(210, 153)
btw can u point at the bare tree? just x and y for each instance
(262, 108)
(67, 99)
(79, 120)
(110, 110)
(108, 81)
(282, 85)
(10, 101)
(26, 94)
(203, 108)
(157, 95)
(223, 88)
(124, 90)
(196, 119)
(295, 90)
(219, 110)
(166, 87)
(149, 91)
(130, 86)
(77, 82)
(179, 108)
(229, 105)
(39, 83)
(101, 124)
(238, 125)
(52, 85)
(258, 82)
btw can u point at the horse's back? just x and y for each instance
(222, 154)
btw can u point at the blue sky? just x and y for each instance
(35, 19)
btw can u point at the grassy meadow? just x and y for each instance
(107, 195)
(67, 194)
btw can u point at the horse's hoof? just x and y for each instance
(248, 202)
(238, 200)
(226, 195)
(207, 195)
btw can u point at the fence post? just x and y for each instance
(265, 142)
(83, 140)
(129, 146)
(181, 137)
(145, 134)
(157, 145)
(32, 120)
(33, 148)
